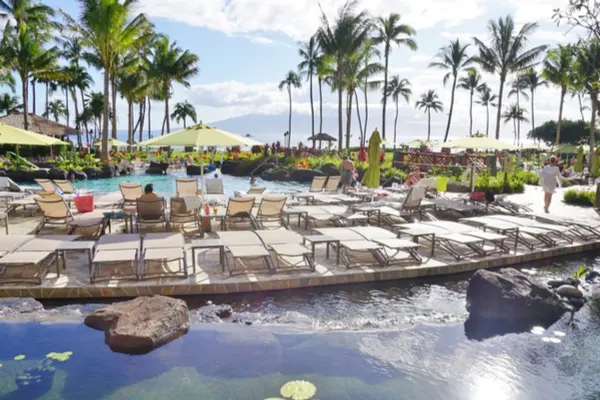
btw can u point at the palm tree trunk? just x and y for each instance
(320, 105)
(142, 118)
(348, 120)
(471, 114)
(67, 105)
(364, 137)
(184, 125)
(499, 112)
(487, 121)
(85, 122)
(105, 114)
(518, 120)
(532, 111)
(563, 91)
(47, 95)
(312, 108)
(514, 130)
(164, 123)
(385, 82)
(580, 106)
(451, 108)
(395, 123)
(114, 107)
(149, 115)
(77, 125)
(594, 97)
(289, 89)
(360, 127)
(139, 119)
(428, 123)
(129, 124)
(166, 91)
(33, 94)
(24, 94)
(340, 122)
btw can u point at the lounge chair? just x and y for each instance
(287, 245)
(244, 245)
(56, 212)
(65, 186)
(353, 242)
(560, 232)
(410, 207)
(393, 246)
(12, 242)
(187, 187)
(37, 253)
(256, 190)
(495, 239)
(151, 211)
(270, 212)
(8, 185)
(586, 229)
(520, 234)
(114, 251)
(46, 185)
(214, 186)
(182, 216)
(238, 210)
(336, 215)
(163, 248)
(333, 182)
(131, 191)
(317, 184)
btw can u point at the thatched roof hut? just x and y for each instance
(39, 125)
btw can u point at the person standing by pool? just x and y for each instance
(550, 180)
(347, 173)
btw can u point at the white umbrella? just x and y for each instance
(480, 143)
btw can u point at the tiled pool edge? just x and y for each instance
(295, 282)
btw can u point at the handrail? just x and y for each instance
(260, 165)
(30, 164)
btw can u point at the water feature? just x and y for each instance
(392, 341)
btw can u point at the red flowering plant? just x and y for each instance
(382, 157)
(362, 154)
(257, 149)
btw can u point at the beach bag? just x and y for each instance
(477, 196)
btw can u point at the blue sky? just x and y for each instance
(247, 46)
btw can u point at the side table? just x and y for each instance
(198, 244)
(85, 246)
(320, 239)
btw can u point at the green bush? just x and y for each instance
(578, 197)
(486, 183)
(393, 173)
(528, 177)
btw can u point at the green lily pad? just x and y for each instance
(19, 357)
(274, 398)
(59, 356)
(298, 390)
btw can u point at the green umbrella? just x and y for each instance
(371, 177)
(579, 164)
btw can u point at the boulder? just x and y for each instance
(457, 187)
(79, 175)
(57, 173)
(109, 171)
(194, 170)
(162, 166)
(230, 167)
(214, 313)
(275, 175)
(569, 291)
(330, 169)
(304, 175)
(92, 172)
(508, 301)
(592, 275)
(141, 325)
(263, 167)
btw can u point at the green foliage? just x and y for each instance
(20, 357)
(298, 390)
(580, 273)
(579, 164)
(571, 132)
(578, 197)
(394, 173)
(596, 164)
(62, 357)
(486, 183)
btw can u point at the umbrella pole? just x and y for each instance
(202, 172)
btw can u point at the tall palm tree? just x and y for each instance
(95, 103)
(370, 54)
(25, 54)
(452, 58)
(472, 83)
(507, 53)
(340, 39)
(182, 111)
(128, 84)
(518, 89)
(32, 12)
(390, 31)
(532, 81)
(310, 54)
(557, 70)
(516, 114)
(395, 89)
(324, 68)
(10, 104)
(57, 109)
(106, 28)
(171, 64)
(291, 80)
(429, 101)
(487, 99)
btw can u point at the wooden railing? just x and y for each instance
(443, 160)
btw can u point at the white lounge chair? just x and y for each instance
(244, 245)
(163, 248)
(287, 245)
(353, 242)
(114, 251)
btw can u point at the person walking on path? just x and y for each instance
(550, 180)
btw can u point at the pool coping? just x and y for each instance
(283, 282)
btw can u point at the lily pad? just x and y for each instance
(298, 390)
(60, 356)
(19, 357)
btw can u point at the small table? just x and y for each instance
(125, 216)
(64, 247)
(319, 239)
(198, 244)
(288, 212)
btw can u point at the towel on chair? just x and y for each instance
(192, 203)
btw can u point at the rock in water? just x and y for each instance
(141, 325)
(508, 301)
(11, 306)
(569, 291)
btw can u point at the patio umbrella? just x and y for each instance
(201, 135)
(112, 143)
(11, 135)
(372, 175)
(480, 143)
(536, 146)
(419, 143)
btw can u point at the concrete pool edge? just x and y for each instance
(297, 281)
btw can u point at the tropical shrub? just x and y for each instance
(578, 197)
(495, 184)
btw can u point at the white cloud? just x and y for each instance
(462, 36)
(258, 39)
(420, 58)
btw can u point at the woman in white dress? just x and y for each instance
(550, 180)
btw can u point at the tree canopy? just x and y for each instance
(572, 132)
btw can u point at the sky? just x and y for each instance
(246, 47)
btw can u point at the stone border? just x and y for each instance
(285, 282)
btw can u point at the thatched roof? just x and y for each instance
(324, 137)
(39, 125)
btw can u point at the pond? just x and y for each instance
(379, 342)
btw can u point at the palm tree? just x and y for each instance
(55, 108)
(507, 53)
(369, 53)
(291, 80)
(95, 103)
(389, 31)
(472, 83)
(310, 55)
(10, 104)
(25, 54)
(557, 70)
(429, 101)
(516, 114)
(128, 84)
(532, 80)
(323, 76)
(452, 58)
(170, 64)
(106, 28)
(182, 111)
(339, 40)
(518, 89)
(487, 99)
(32, 12)
(395, 89)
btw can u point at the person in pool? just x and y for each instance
(252, 181)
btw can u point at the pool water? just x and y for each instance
(329, 337)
